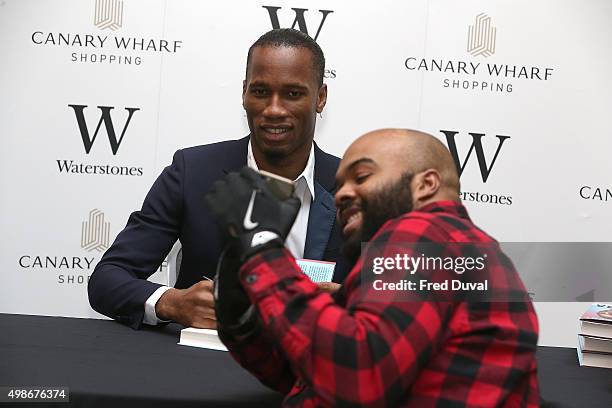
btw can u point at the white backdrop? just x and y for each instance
(181, 76)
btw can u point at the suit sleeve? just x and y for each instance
(118, 287)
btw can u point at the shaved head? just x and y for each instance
(410, 151)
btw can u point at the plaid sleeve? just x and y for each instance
(364, 352)
(260, 357)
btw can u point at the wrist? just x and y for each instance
(244, 326)
(253, 244)
(165, 308)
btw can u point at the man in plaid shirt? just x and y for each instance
(395, 187)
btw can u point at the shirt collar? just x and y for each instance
(307, 174)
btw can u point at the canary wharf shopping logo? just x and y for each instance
(302, 23)
(73, 269)
(95, 232)
(476, 75)
(108, 14)
(88, 134)
(96, 48)
(485, 159)
(481, 37)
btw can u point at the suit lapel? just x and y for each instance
(320, 222)
(237, 158)
(322, 210)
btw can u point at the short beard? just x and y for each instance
(274, 156)
(391, 201)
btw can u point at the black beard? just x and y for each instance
(391, 201)
(274, 156)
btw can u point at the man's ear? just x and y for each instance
(426, 185)
(321, 98)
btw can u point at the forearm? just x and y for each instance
(320, 339)
(167, 306)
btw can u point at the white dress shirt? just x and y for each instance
(296, 240)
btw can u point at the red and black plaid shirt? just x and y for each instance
(321, 350)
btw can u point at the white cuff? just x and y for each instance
(149, 309)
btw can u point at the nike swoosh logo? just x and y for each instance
(248, 222)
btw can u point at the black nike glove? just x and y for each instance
(250, 213)
(254, 219)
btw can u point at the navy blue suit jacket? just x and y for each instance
(174, 209)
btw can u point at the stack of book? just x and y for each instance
(595, 338)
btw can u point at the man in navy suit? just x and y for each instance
(282, 93)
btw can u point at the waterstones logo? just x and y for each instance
(478, 76)
(476, 147)
(95, 232)
(300, 23)
(108, 14)
(299, 20)
(106, 119)
(485, 165)
(89, 48)
(88, 138)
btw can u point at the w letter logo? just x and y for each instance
(105, 119)
(481, 37)
(300, 20)
(109, 14)
(485, 170)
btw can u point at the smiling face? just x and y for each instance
(386, 173)
(373, 187)
(281, 96)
